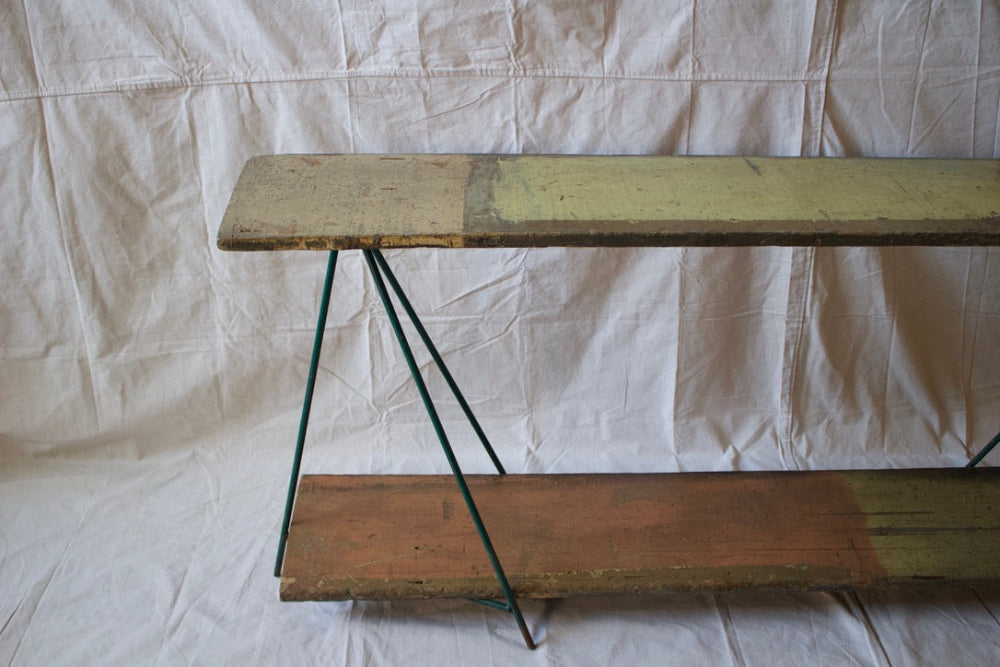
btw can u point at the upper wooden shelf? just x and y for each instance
(316, 202)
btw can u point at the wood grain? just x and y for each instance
(284, 202)
(384, 537)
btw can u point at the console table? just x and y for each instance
(496, 538)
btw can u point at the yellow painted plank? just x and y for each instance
(740, 190)
(365, 201)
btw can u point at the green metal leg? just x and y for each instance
(511, 605)
(293, 482)
(984, 451)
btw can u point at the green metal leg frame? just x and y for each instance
(379, 268)
(381, 273)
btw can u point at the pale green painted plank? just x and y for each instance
(365, 201)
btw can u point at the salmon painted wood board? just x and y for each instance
(286, 202)
(396, 536)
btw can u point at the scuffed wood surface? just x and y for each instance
(320, 202)
(385, 537)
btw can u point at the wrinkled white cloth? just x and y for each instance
(150, 384)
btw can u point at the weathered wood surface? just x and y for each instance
(385, 537)
(365, 201)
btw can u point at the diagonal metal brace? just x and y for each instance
(984, 451)
(446, 446)
(415, 319)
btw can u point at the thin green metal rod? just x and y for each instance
(293, 481)
(494, 604)
(437, 359)
(446, 446)
(984, 451)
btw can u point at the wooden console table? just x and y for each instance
(402, 536)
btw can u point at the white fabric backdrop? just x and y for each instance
(150, 384)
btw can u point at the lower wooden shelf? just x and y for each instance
(400, 536)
